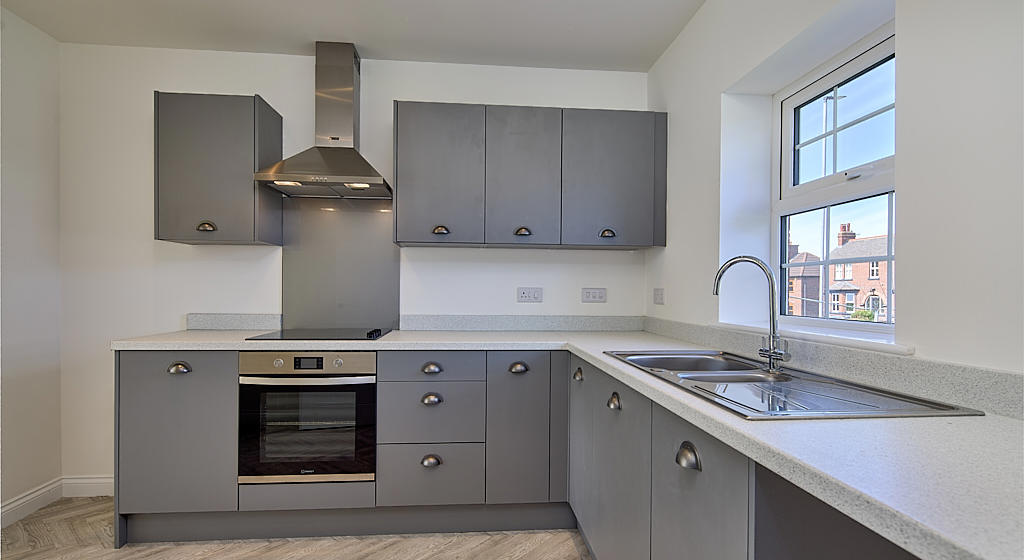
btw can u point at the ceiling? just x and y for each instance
(590, 34)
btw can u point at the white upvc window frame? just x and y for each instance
(874, 178)
(874, 268)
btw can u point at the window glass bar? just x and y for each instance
(850, 124)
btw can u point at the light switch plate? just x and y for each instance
(594, 295)
(659, 296)
(529, 295)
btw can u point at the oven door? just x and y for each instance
(306, 429)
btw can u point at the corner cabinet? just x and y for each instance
(206, 150)
(613, 178)
(610, 468)
(510, 176)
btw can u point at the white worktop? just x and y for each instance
(942, 488)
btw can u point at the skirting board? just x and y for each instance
(21, 506)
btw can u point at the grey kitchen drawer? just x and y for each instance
(403, 480)
(402, 417)
(305, 495)
(415, 366)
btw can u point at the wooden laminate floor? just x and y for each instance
(76, 528)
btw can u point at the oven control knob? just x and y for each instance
(338, 362)
(278, 362)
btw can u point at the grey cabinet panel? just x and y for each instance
(581, 443)
(621, 526)
(518, 426)
(413, 365)
(608, 177)
(523, 174)
(206, 149)
(660, 178)
(558, 485)
(402, 417)
(402, 480)
(328, 495)
(790, 524)
(177, 433)
(439, 172)
(697, 514)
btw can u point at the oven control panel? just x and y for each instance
(306, 363)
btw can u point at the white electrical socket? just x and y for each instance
(594, 295)
(659, 296)
(529, 295)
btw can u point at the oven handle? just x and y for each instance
(350, 380)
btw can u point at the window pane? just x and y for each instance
(867, 141)
(803, 291)
(803, 235)
(860, 297)
(868, 92)
(859, 229)
(814, 161)
(814, 117)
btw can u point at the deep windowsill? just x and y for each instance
(878, 340)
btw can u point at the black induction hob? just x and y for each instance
(322, 334)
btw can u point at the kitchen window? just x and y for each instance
(834, 192)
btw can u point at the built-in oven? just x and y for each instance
(307, 417)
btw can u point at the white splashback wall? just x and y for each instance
(445, 281)
(119, 282)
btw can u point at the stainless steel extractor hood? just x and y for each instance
(332, 168)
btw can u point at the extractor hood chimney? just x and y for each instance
(332, 168)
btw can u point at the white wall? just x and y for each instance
(959, 89)
(960, 179)
(445, 281)
(29, 258)
(119, 282)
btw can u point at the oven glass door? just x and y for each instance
(307, 426)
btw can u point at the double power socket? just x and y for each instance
(536, 295)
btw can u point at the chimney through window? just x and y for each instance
(846, 234)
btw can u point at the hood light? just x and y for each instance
(288, 183)
(329, 209)
(358, 186)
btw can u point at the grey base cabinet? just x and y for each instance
(177, 432)
(700, 498)
(430, 474)
(610, 470)
(518, 389)
(206, 150)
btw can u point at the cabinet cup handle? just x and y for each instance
(614, 403)
(518, 367)
(440, 230)
(578, 374)
(687, 456)
(607, 232)
(431, 461)
(523, 231)
(206, 225)
(179, 368)
(432, 399)
(432, 368)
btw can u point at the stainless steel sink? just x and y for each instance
(744, 387)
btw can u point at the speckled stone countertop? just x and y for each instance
(942, 488)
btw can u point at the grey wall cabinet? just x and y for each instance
(439, 172)
(529, 176)
(523, 170)
(609, 177)
(206, 150)
(613, 486)
(518, 389)
(177, 432)
(696, 513)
